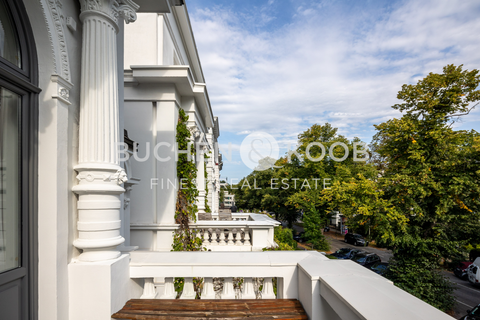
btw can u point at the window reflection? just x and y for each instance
(9, 180)
(9, 48)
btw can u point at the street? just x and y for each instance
(336, 242)
(467, 295)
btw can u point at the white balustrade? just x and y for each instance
(247, 232)
(324, 287)
(224, 236)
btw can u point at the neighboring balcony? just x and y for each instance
(244, 232)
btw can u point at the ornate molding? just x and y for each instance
(194, 131)
(127, 9)
(54, 18)
(115, 9)
(62, 90)
(118, 177)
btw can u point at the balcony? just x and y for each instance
(327, 289)
(244, 232)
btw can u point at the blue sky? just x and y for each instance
(280, 66)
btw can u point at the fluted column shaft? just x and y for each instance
(99, 172)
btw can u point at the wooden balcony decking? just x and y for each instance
(211, 309)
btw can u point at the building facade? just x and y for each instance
(82, 230)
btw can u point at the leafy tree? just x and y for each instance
(284, 238)
(425, 204)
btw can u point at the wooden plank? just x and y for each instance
(211, 309)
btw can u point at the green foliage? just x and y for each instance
(207, 207)
(419, 278)
(185, 239)
(313, 222)
(425, 204)
(284, 238)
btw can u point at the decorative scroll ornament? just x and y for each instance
(128, 10)
(194, 132)
(114, 9)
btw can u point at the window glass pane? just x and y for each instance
(9, 180)
(9, 48)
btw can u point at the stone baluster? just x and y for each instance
(267, 291)
(247, 238)
(199, 234)
(188, 289)
(248, 291)
(230, 237)
(214, 238)
(149, 291)
(238, 237)
(228, 291)
(206, 240)
(208, 292)
(99, 172)
(222, 238)
(169, 289)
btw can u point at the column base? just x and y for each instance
(93, 250)
(97, 290)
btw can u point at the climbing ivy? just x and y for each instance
(185, 239)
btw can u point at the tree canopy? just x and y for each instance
(418, 194)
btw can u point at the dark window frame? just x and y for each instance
(24, 81)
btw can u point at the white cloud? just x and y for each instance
(346, 70)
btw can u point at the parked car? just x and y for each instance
(473, 314)
(461, 270)
(300, 237)
(379, 268)
(366, 259)
(473, 272)
(345, 253)
(355, 239)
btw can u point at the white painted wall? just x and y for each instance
(57, 152)
(142, 41)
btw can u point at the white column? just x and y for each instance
(201, 181)
(99, 172)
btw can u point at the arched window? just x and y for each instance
(18, 128)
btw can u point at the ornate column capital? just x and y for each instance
(110, 9)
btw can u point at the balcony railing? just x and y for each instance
(327, 289)
(245, 232)
(241, 234)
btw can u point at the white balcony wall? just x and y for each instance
(327, 289)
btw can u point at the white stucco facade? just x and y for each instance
(101, 228)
